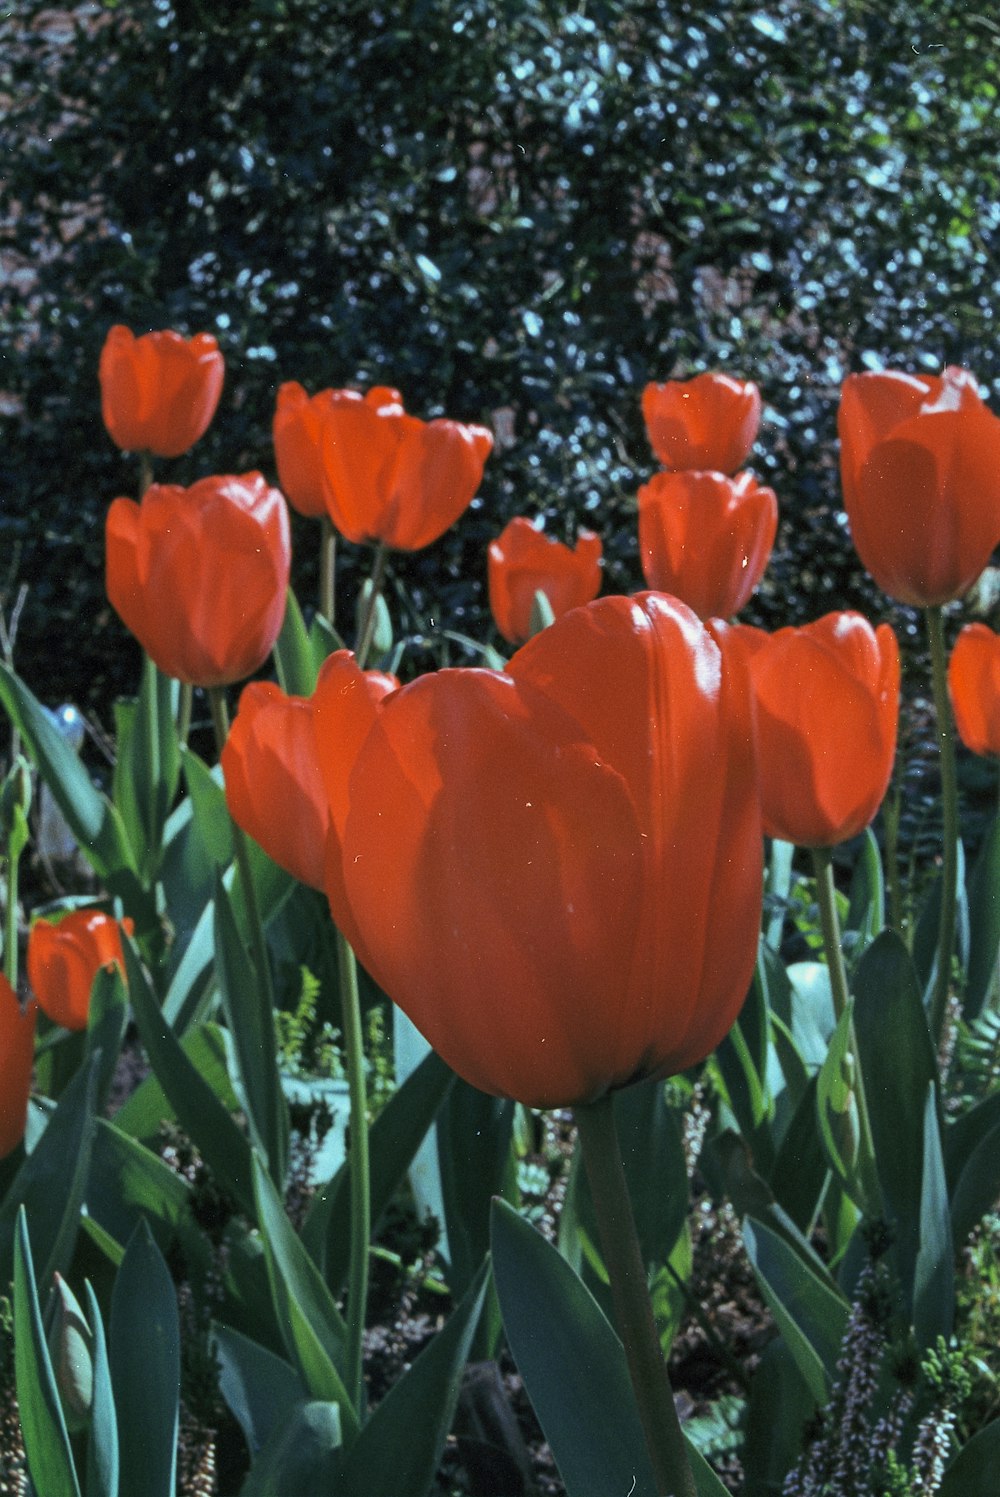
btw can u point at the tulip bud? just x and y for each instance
(70, 1343)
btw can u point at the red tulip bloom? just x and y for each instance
(706, 538)
(64, 957)
(709, 422)
(298, 423)
(159, 392)
(974, 685)
(393, 479)
(920, 464)
(523, 561)
(17, 1054)
(554, 869)
(827, 707)
(200, 575)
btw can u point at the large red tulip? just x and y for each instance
(159, 392)
(200, 575)
(17, 1053)
(298, 424)
(920, 464)
(709, 422)
(391, 478)
(522, 561)
(974, 686)
(706, 538)
(827, 697)
(555, 870)
(274, 789)
(64, 957)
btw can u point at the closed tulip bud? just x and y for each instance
(709, 422)
(200, 575)
(706, 538)
(298, 424)
(555, 869)
(920, 465)
(64, 957)
(523, 561)
(974, 687)
(393, 479)
(70, 1348)
(159, 392)
(827, 698)
(17, 1054)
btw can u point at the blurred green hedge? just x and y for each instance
(515, 211)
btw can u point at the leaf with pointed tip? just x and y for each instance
(46, 1440)
(102, 1445)
(144, 1355)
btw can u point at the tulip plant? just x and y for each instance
(571, 877)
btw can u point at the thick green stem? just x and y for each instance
(949, 812)
(367, 631)
(357, 1284)
(184, 705)
(327, 568)
(826, 897)
(633, 1311)
(258, 945)
(145, 472)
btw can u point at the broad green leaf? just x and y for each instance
(474, 1150)
(43, 1427)
(973, 1472)
(260, 1388)
(984, 923)
(128, 1183)
(781, 1406)
(198, 1109)
(144, 1355)
(934, 1274)
(208, 809)
(925, 936)
(812, 1017)
(191, 987)
(323, 640)
(836, 1106)
(977, 1188)
(399, 1449)
(147, 765)
(148, 1106)
(392, 1142)
(311, 1325)
(810, 1314)
(102, 1444)
(572, 1364)
(798, 1175)
(779, 883)
(301, 1455)
(107, 1021)
(866, 911)
(752, 1196)
(250, 1016)
(898, 1065)
(963, 1136)
(293, 655)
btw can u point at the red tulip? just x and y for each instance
(391, 478)
(920, 464)
(709, 422)
(17, 1054)
(556, 869)
(706, 538)
(298, 423)
(974, 684)
(159, 392)
(523, 561)
(200, 575)
(827, 699)
(64, 957)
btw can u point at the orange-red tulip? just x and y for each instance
(706, 538)
(17, 1053)
(200, 575)
(827, 698)
(974, 685)
(709, 422)
(274, 789)
(64, 957)
(522, 561)
(556, 869)
(391, 478)
(920, 465)
(298, 422)
(159, 392)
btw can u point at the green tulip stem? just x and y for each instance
(327, 568)
(891, 812)
(616, 1224)
(826, 897)
(241, 849)
(145, 472)
(360, 1180)
(367, 633)
(949, 812)
(184, 706)
(10, 917)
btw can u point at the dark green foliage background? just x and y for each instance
(520, 206)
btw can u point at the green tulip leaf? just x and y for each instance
(978, 1186)
(836, 1107)
(811, 1315)
(107, 1021)
(148, 1105)
(260, 1389)
(934, 1271)
(127, 1184)
(147, 765)
(144, 1355)
(798, 1175)
(323, 641)
(973, 1472)
(780, 1409)
(925, 936)
(293, 654)
(866, 910)
(46, 1439)
(102, 1445)
(984, 923)
(301, 1455)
